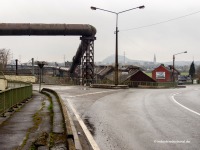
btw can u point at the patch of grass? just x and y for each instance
(37, 119)
(25, 140)
(43, 104)
(51, 139)
(50, 107)
(184, 73)
(33, 147)
(55, 138)
(149, 74)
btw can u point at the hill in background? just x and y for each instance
(124, 60)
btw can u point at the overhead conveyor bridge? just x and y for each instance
(85, 51)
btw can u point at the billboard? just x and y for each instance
(160, 75)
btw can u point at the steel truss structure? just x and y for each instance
(87, 62)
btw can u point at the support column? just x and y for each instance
(88, 60)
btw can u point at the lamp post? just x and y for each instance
(116, 32)
(173, 75)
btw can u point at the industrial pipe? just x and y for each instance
(13, 29)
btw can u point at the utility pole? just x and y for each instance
(16, 60)
(124, 59)
(33, 73)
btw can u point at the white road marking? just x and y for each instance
(86, 131)
(90, 93)
(183, 105)
(196, 89)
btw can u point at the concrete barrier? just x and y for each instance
(109, 86)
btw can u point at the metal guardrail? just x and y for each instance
(13, 96)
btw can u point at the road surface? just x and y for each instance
(138, 119)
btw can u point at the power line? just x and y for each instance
(154, 24)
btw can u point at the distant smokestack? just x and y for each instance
(16, 60)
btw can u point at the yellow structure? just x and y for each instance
(29, 79)
(3, 82)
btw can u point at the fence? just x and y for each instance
(150, 84)
(131, 83)
(140, 83)
(13, 96)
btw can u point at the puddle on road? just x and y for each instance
(85, 88)
(89, 125)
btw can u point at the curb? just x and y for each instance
(68, 122)
(109, 86)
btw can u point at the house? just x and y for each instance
(137, 76)
(165, 74)
(130, 73)
(102, 70)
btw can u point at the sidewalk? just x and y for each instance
(30, 126)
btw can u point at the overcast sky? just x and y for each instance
(163, 39)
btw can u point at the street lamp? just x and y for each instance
(116, 32)
(174, 64)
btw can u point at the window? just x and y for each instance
(160, 75)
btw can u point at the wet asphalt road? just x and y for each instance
(139, 119)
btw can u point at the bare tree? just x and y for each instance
(4, 58)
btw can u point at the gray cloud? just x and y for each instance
(164, 40)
